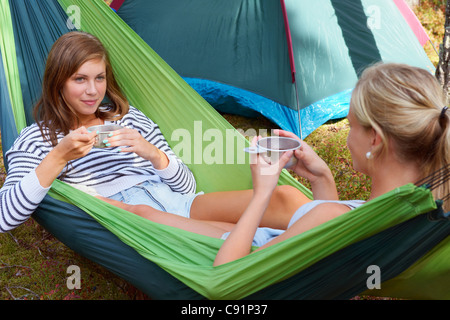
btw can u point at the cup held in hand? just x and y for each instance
(103, 133)
(273, 147)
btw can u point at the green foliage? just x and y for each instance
(431, 13)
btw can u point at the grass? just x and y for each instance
(33, 264)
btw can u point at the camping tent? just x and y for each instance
(274, 57)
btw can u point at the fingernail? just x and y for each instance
(110, 135)
(108, 144)
(105, 141)
(89, 131)
(119, 149)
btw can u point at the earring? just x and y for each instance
(369, 155)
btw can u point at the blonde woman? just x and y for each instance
(399, 134)
(137, 166)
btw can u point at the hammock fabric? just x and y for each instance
(394, 231)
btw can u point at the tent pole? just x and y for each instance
(291, 61)
(298, 111)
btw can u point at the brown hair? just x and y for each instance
(67, 55)
(404, 105)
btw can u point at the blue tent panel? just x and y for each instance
(229, 99)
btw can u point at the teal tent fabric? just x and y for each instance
(226, 41)
(80, 231)
(33, 44)
(225, 48)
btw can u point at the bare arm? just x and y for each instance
(317, 216)
(31, 173)
(75, 145)
(265, 178)
(238, 244)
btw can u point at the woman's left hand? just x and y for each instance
(130, 140)
(265, 175)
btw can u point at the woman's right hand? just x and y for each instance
(76, 144)
(265, 175)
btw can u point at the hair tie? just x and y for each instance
(444, 109)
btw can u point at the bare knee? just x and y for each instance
(288, 199)
(142, 210)
(288, 193)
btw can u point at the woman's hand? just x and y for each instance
(310, 166)
(265, 175)
(75, 145)
(130, 140)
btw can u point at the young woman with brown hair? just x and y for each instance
(136, 166)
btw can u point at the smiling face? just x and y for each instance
(85, 89)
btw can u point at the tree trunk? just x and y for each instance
(442, 70)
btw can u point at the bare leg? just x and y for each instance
(216, 213)
(207, 228)
(228, 206)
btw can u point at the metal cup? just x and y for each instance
(273, 147)
(103, 133)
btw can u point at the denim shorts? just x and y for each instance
(158, 195)
(262, 236)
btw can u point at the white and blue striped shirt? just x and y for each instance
(107, 170)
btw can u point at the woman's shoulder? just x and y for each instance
(30, 140)
(30, 133)
(133, 112)
(336, 207)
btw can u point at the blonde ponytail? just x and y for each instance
(406, 106)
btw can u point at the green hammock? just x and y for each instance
(402, 232)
